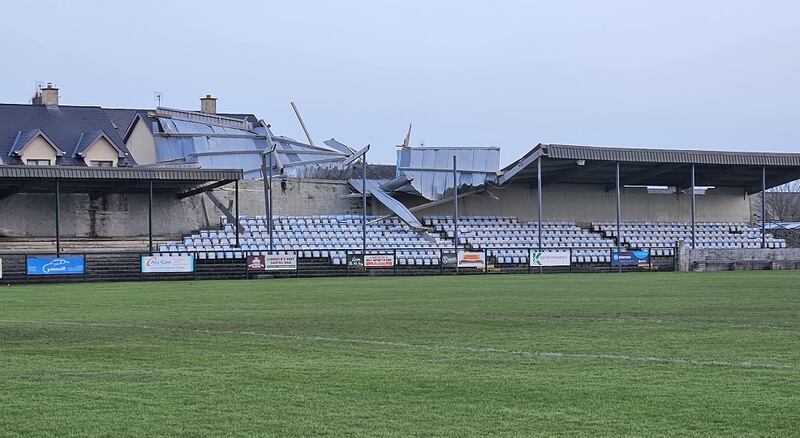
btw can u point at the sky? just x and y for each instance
(693, 74)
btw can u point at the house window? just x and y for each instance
(102, 163)
(38, 162)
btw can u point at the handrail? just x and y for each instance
(791, 234)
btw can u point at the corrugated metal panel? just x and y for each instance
(630, 155)
(430, 169)
(374, 189)
(76, 172)
(214, 146)
(207, 119)
(300, 160)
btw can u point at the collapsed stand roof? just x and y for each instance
(653, 167)
(216, 141)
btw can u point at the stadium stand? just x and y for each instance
(504, 238)
(312, 237)
(667, 234)
(509, 240)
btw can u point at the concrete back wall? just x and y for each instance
(290, 198)
(585, 203)
(33, 215)
(126, 215)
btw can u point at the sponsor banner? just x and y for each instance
(72, 265)
(639, 257)
(378, 260)
(256, 263)
(449, 259)
(1, 268)
(550, 258)
(471, 259)
(275, 262)
(355, 261)
(152, 264)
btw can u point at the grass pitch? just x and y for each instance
(634, 354)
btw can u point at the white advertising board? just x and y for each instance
(550, 258)
(378, 260)
(167, 264)
(280, 262)
(471, 259)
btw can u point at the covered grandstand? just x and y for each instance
(440, 207)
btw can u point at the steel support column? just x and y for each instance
(539, 207)
(694, 210)
(539, 200)
(455, 208)
(763, 206)
(150, 216)
(265, 181)
(269, 202)
(619, 213)
(58, 226)
(236, 216)
(364, 207)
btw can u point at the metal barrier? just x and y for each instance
(16, 268)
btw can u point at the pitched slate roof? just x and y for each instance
(25, 137)
(87, 139)
(63, 125)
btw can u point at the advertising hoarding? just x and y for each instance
(378, 260)
(151, 264)
(68, 265)
(638, 257)
(550, 258)
(471, 259)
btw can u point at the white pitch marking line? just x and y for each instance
(490, 350)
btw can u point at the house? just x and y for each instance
(45, 133)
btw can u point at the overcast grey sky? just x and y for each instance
(675, 74)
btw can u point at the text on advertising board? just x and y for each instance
(283, 262)
(550, 258)
(378, 260)
(471, 259)
(72, 265)
(639, 257)
(167, 264)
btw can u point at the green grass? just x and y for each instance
(574, 355)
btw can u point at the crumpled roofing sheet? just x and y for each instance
(224, 147)
(430, 169)
(374, 189)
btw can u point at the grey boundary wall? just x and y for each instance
(707, 259)
(126, 266)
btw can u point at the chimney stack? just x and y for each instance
(47, 96)
(208, 104)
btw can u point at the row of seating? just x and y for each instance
(707, 234)
(505, 239)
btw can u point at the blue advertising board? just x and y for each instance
(637, 257)
(70, 265)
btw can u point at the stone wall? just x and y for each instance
(708, 259)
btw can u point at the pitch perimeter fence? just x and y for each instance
(31, 268)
